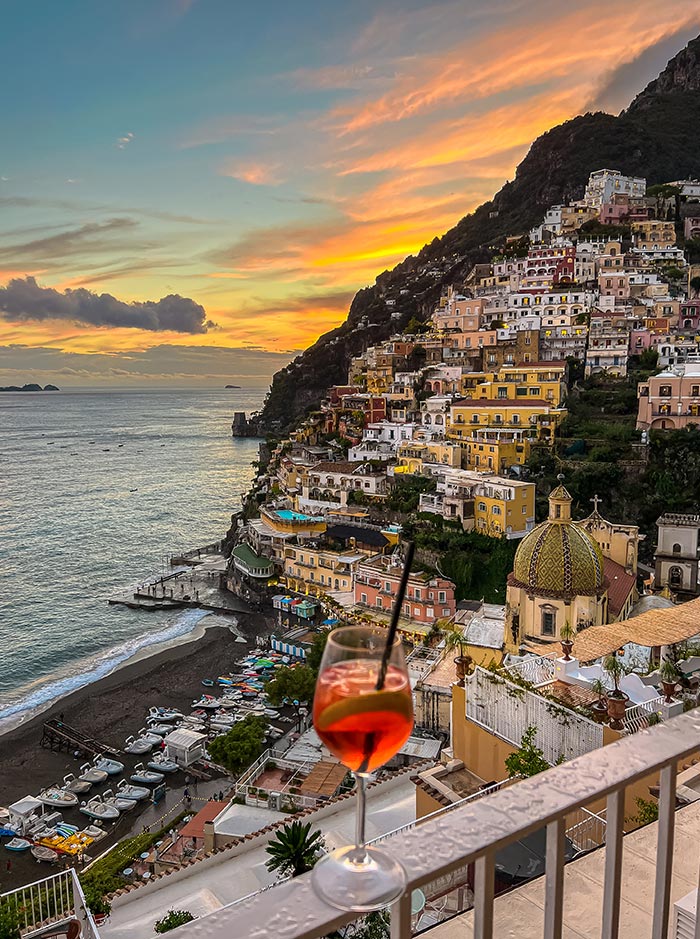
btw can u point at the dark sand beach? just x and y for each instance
(109, 710)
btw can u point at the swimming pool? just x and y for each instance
(291, 516)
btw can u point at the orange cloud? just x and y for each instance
(255, 173)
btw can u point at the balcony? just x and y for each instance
(473, 833)
(53, 907)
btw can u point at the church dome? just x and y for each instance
(559, 558)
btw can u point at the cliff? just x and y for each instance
(658, 137)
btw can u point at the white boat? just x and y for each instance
(42, 853)
(161, 764)
(17, 844)
(137, 747)
(207, 703)
(270, 712)
(96, 808)
(146, 777)
(79, 786)
(90, 774)
(93, 831)
(148, 734)
(167, 715)
(126, 791)
(112, 767)
(161, 730)
(119, 801)
(57, 797)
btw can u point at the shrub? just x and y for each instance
(173, 919)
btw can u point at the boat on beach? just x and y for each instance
(17, 844)
(111, 767)
(127, 791)
(137, 746)
(57, 797)
(118, 801)
(160, 730)
(207, 702)
(96, 808)
(92, 775)
(167, 715)
(145, 776)
(79, 786)
(44, 854)
(93, 831)
(161, 764)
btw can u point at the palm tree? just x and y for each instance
(456, 639)
(295, 849)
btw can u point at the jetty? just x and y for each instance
(58, 736)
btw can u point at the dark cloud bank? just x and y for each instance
(24, 299)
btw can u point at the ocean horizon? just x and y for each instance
(99, 487)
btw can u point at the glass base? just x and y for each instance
(362, 879)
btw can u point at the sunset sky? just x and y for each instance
(263, 162)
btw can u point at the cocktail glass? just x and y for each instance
(364, 727)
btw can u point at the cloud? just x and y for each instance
(87, 238)
(257, 173)
(123, 142)
(23, 299)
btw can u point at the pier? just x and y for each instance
(198, 586)
(58, 736)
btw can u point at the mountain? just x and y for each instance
(657, 136)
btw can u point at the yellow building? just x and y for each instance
(520, 382)
(494, 450)
(654, 233)
(317, 571)
(413, 455)
(504, 507)
(536, 415)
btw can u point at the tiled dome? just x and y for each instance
(559, 558)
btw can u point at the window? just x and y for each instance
(496, 510)
(442, 596)
(665, 391)
(695, 391)
(379, 603)
(387, 586)
(363, 598)
(548, 623)
(535, 392)
(445, 612)
(676, 548)
(481, 506)
(675, 577)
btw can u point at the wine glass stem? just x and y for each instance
(361, 782)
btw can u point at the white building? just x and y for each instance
(604, 184)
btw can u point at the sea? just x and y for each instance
(97, 490)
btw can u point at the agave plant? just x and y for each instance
(294, 849)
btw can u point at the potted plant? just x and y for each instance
(99, 906)
(455, 639)
(669, 675)
(567, 634)
(617, 700)
(599, 707)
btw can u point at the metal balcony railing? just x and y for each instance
(55, 901)
(473, 835)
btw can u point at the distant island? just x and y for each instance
(233, 386)
(30, 388)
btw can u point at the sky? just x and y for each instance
(193, 190)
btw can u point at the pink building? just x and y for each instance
(689, 317)
(427, 598)
(671, 399)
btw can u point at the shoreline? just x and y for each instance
(149, 656)
(115, 706)
(208, 620)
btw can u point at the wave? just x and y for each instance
(97, 666)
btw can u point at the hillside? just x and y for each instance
(658, 137)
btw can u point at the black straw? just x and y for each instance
(396, 613)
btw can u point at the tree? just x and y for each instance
(241, 745)
(173, 919)
(9, 922)
(294, 849)
(529, 759)
(695, 285)
(295, 684)
(318, 646)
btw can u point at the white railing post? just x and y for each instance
(614, 817)
(554, 879)
(484, 877)
(401, 926)
(664, 852)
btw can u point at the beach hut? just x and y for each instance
(24, 812)
(185, 747)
